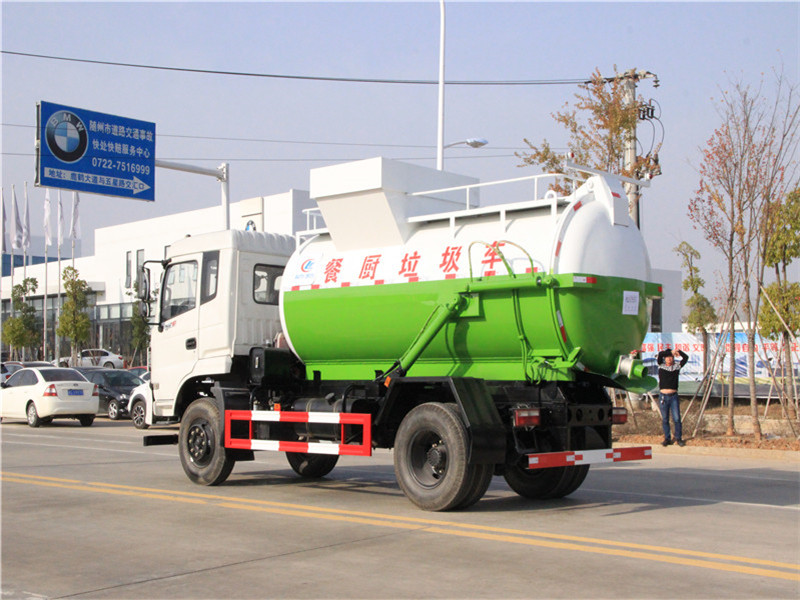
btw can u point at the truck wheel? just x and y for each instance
(138, 415)
(203, 456)
(33, 416)
(113, 410)
(430, 457)
(86, 420)
(312, 465)
(481, 478)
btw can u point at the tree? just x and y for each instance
(701, 312)
(600, 141)
(74, 322)
(21, 331)
(748, 164)
(780, 312)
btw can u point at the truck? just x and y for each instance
(474, 341)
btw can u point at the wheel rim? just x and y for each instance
(31, 413)
(427, 457)
(138, 415)
(200, 443)
(112, 410)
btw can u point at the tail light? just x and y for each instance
(619, 416)
(50, 390)
(95, 391)
(526, 417)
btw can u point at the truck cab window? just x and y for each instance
(265, 290)
(180, 289)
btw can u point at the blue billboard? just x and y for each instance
(94, 152)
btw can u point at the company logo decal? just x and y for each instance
(66, 136)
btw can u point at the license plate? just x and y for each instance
(75, 392)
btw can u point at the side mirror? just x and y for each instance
(143, 284)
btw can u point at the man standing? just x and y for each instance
(668, 372)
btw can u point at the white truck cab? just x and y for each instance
(200, 336)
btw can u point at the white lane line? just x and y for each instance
(794, 507)
(101, 449)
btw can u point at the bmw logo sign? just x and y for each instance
(66, 136)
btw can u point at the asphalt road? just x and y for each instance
(91, 513)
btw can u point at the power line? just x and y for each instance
(302, 77)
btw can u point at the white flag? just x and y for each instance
(60, 221)
(3, 199)
(75, 226)
(26, 223)
(16, 241)
(48, 237)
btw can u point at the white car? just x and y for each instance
(143, 412)
(95, 357)
(40, 394)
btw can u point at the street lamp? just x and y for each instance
(471, 142)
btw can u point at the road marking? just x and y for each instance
(794, 507)
(679, 556)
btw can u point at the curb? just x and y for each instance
(688, 449)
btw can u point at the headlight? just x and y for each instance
(123, 396)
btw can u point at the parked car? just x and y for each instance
(115, 386)
(143, 410)
(9, 368)
(40, 394)
(95, 357)
(140, 372)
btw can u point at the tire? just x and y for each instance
(312, 465)
(33, 415)
(138, 413)
(63, 363)
(200, 444)
(86, 420)
(430, 457)
(113, 410)
(109, 365)
(481, 479)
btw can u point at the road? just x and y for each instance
(91, 513)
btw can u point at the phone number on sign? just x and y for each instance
(118, 165)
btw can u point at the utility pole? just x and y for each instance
(629, 79)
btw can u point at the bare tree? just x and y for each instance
(748, 164)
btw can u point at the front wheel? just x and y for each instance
(312, 465)
(200, 444)
(33, 415)
(138, 415)
(113, 410)
(430, 458)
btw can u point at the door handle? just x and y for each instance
(191, 343)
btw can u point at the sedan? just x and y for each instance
(115, 387)
(40, 394)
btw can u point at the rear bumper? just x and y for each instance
(588, 457)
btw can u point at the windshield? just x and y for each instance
(123, 378)
(61, 375)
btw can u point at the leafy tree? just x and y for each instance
(21, 330)
(701, 312)
(598, 137)
(779, 316)
(74, 322)
(747, 165)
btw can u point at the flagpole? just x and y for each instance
(47, 242)
(60, 226)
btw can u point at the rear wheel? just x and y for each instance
(200, 442)
(33, 415)
(86, 420)
(312, 465)
(430, 458)
(109, 365)
(138, 415)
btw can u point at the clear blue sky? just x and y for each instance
(696, 49)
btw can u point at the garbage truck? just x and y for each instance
(474, 341)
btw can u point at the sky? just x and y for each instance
(272, 131)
